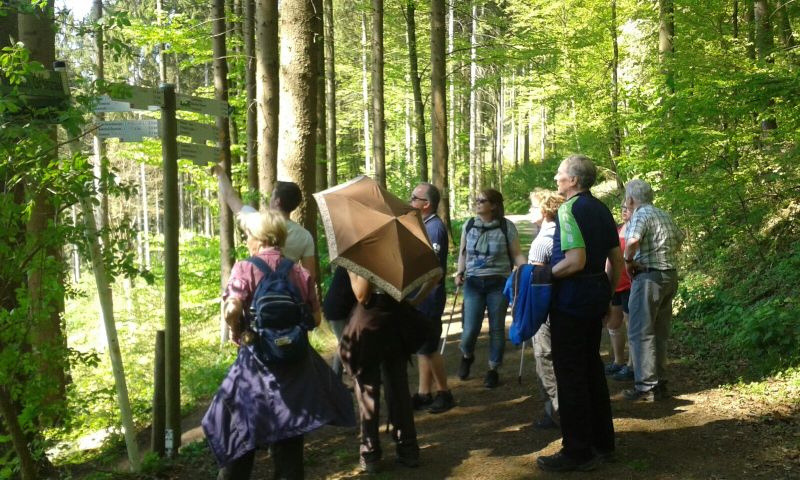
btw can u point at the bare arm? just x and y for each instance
(516, 253)
(614, 267)
(232, 312)
(462, 262)
(361, 287)
(631, 247)
(226, 189)
(310, 264)
(574, 261)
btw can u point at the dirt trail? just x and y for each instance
(702, 432)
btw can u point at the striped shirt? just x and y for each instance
(658, 235)
(542, 246)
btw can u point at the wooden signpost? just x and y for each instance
(125, 98)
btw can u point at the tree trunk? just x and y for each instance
(473, 107)
(785, 26)
(226, 247)
(9, 412)
(248, 31)
(765, 44)
(498, 137)
(267, 95)
(330, 94)
(439, 108)
(452, 160)
(47, 304)
(750, 17)
(365, 97)
(378, 122)
(416, 87)
(321, 133)
(735, 19)
(297, 145)
(145, 216)
(100, 165)
(666, 48)
(162, 66)
(616, 138)
(542, 132)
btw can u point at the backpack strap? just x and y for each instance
(284, 267)
(260, 264)
(470, 225)
(503, 228)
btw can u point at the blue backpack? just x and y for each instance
(278, 316)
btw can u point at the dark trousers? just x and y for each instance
(398, 400)
(287, 457)
(583, 400)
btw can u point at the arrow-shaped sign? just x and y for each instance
(207, 106)
(199, 132)
(200, 155)
(128, 130)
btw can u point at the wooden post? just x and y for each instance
(172, 314)
(159, 405)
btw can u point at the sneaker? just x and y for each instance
(613, 368)
(545, 423)
(625, 374)
(562, 463)
(463, 368)
(421, 401)
(633, 395)
(492, 379)
(443, 402)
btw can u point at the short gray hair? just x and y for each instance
(582, 168)
(640, 191)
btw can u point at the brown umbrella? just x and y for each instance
(378, 236)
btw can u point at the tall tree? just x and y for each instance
(297, 147)
(100, 161)
(785, 25)
(226, 246)
(616, 136)
(378, 121)
(330, 93)
(267, 94)
(474, 108)
(419, 108)
(365, 97)
(321, 133)
(251, 122)
(439, 107)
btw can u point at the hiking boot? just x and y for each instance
(633, 395)
(625, 374)
(562, 463)
(492, 379)
(369, 466)
(613, 368)
(421, 401)
(545, 423)
(443, 402)
(463, 368)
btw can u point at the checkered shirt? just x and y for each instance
(658, 235)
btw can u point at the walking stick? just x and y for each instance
(447, 330)
(521, 358)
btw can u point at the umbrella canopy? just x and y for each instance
(378, 236)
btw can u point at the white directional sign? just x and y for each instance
(106, 104)
(140, 98)
(201, 155)
(207, 106)
(199, 132)
(128, 130)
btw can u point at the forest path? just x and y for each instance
(701, 432)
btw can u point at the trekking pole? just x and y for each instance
(447, 330)
(521, 358)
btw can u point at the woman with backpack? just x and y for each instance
(489, 251)
(265, 401)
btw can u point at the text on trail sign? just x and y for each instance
(198, 132)
(128, 130)
(200, 155)
(207, 106)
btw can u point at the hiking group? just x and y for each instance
(597, 273)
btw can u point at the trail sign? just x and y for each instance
(207, 106)
(106, 104)
(140, 98)
(128, 130)
(42, 89)
(201, 155)
(199, 132)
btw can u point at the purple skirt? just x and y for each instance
(257, 404)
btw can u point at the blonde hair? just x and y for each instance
(548, 202)
(268, 227)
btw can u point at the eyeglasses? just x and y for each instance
(481, 200)
(414, 198)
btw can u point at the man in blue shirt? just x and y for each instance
(426, 198)
(586, 236)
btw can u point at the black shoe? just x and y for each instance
(463, 368)
(545, 423)
(410, 461)
(613, 368)
(562, 463)
(605, 456)
(625, 374)
(443, 402)
(421, 401)
(492, 379)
